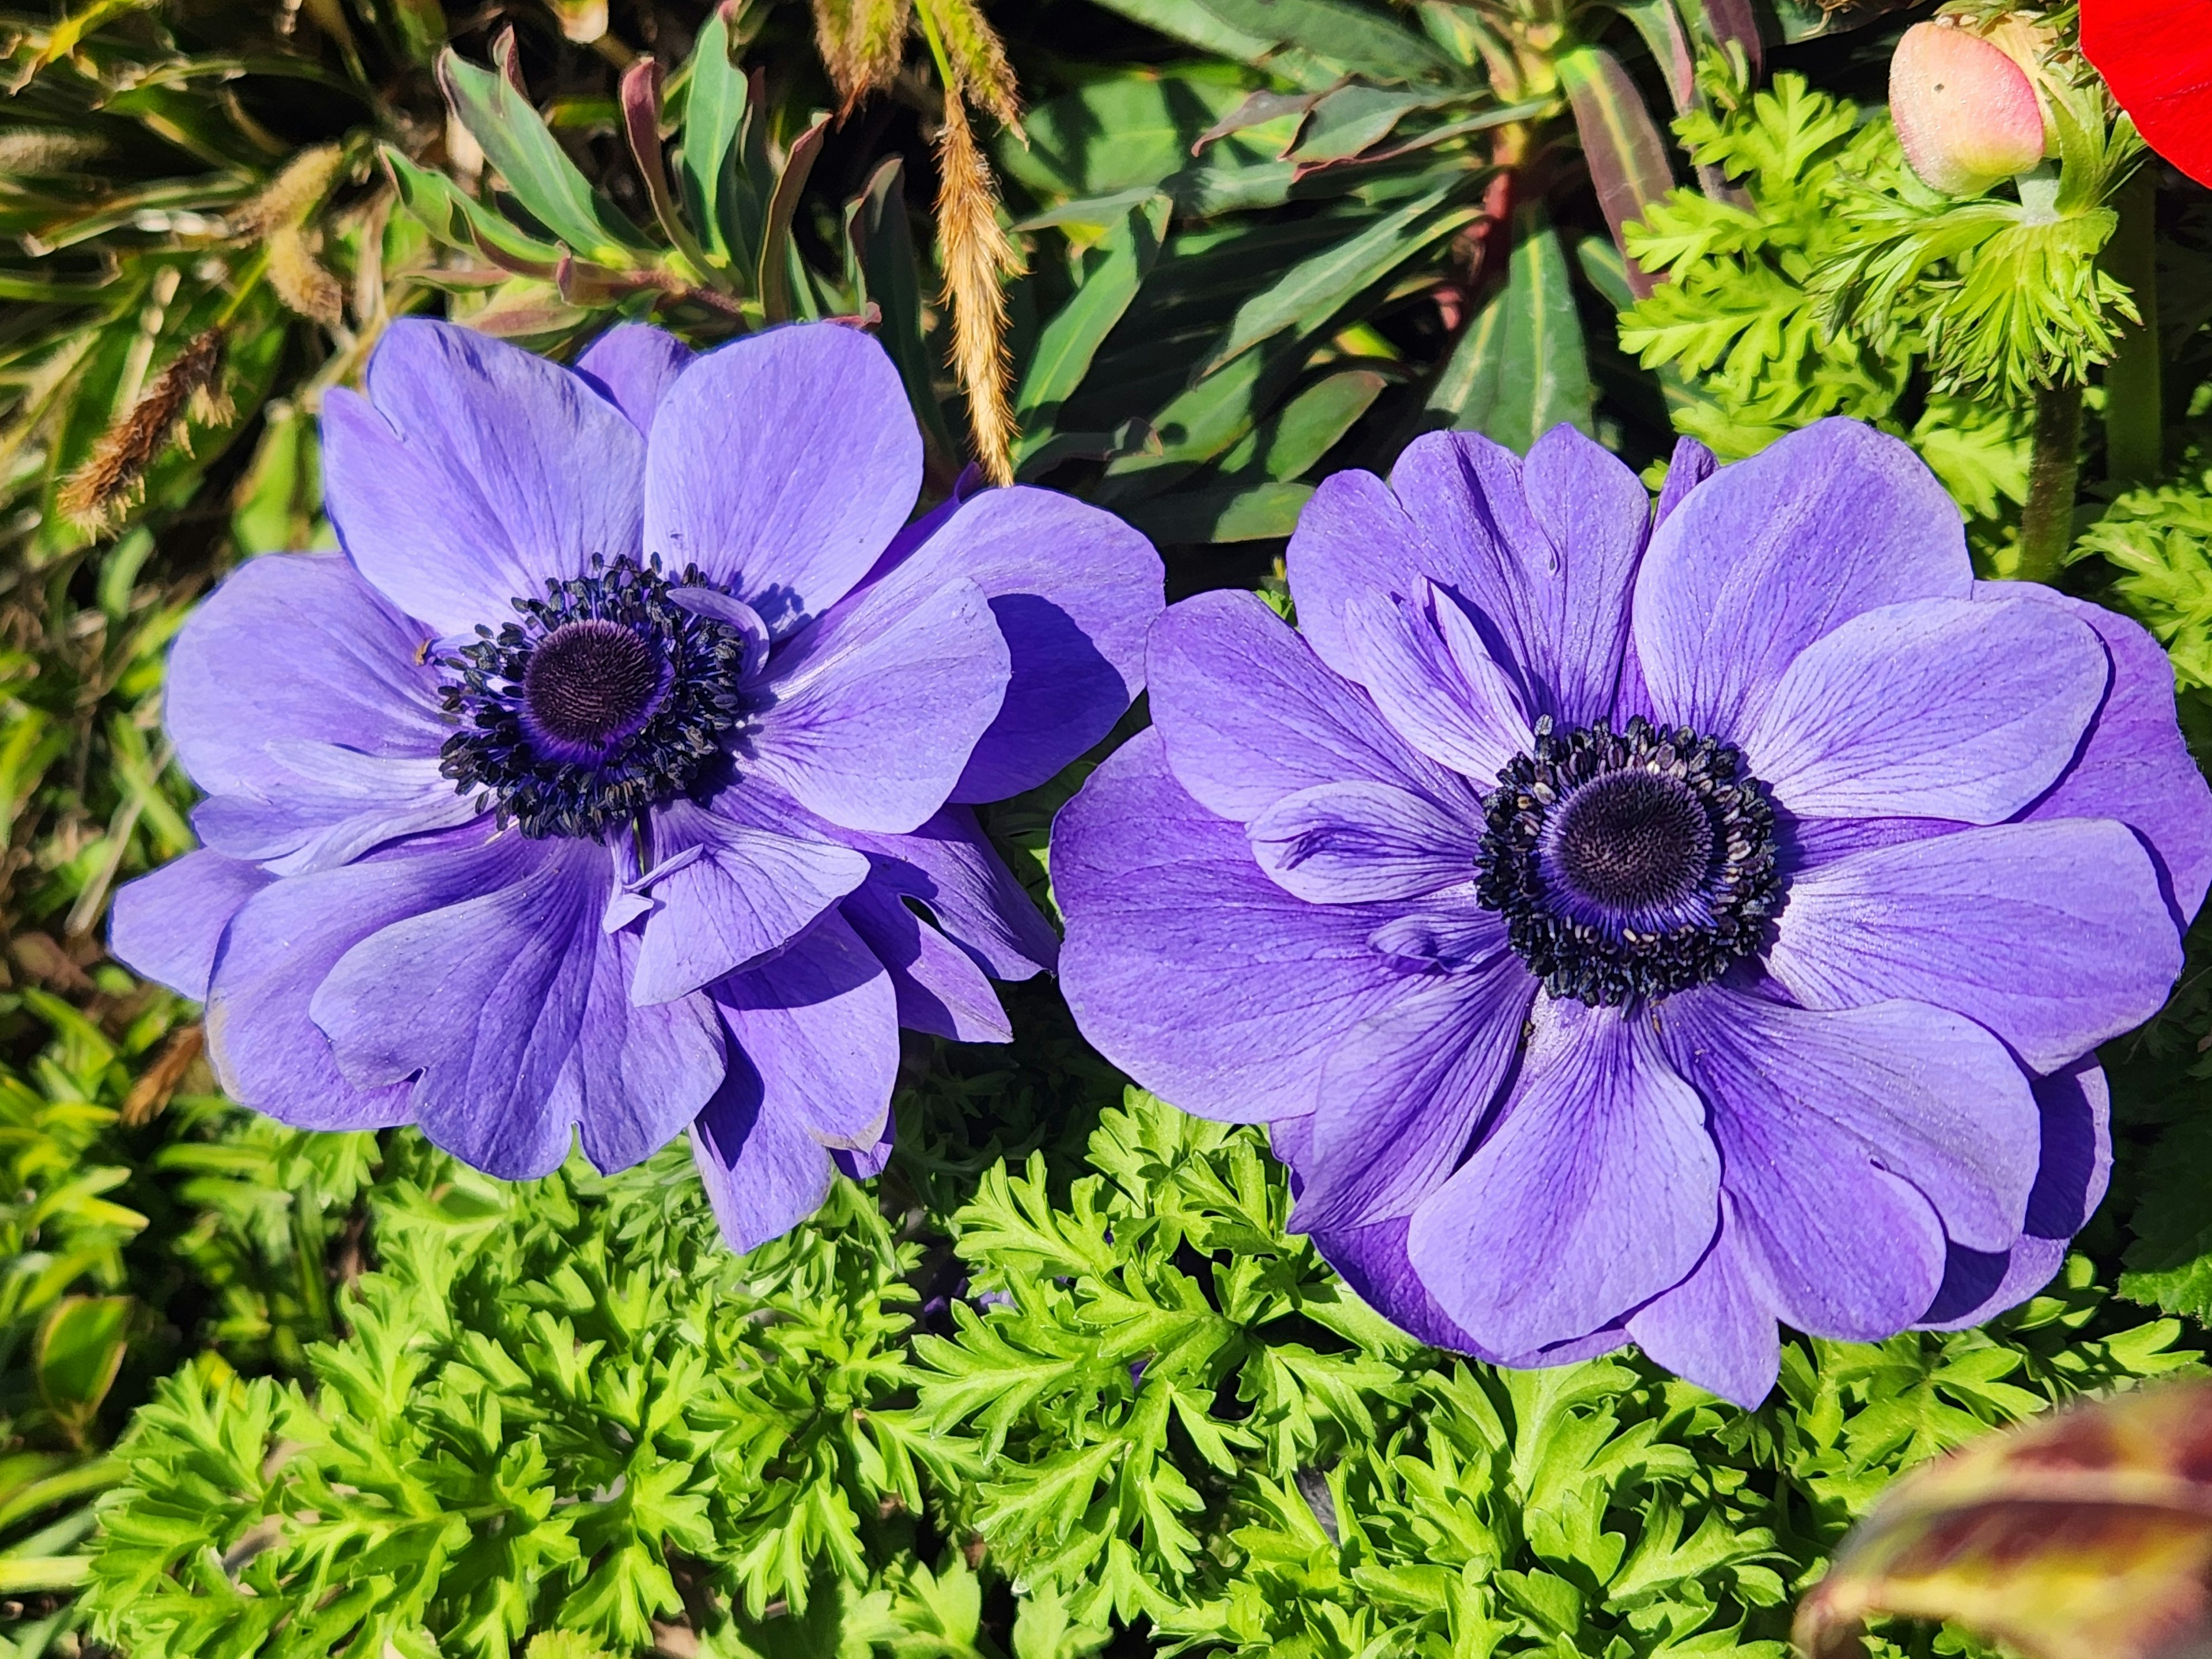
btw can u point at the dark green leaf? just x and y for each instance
(1066, 344)
(1520, 368)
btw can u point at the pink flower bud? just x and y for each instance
(1965, 112)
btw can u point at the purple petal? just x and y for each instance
(948, 865)
(1402, 1093)
(1833, 1130)
(328, 807)
(481, 1000)
(2134, 766)
(632, 366)
(1449, 930)
(1715, 1327)
(1373, 1260)
(266, 1049)
(1425, 664)
(2076, 1165)
(782, 465)
(473, 471)
(297, 698)
(878, 708)
(1186, 966)
(1073, 591)
(1939, 709)
(1596, 1190)
(1351, 843)
(294, 647)
(751, 887)
(763, 1173)
(818, 1023)
(636, 1076)
(940, 989)
(1691, 464)
(1544, 551)
(1773, 552)
(1250, 714)
(166, 925)
(1929, 1097)
(860, 1163)
(2053, 935)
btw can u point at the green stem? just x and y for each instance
(2054, 473)
(2134, 426)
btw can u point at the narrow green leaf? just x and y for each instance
(708, 166)
(1521, 368)
(80, 1349)
(1312, 291)
(887, 272)
(1221, 513)
(516, 141)
(458, 221)
(1071, 339)
(1303, 38)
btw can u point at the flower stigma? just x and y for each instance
(1628, 865)
(614, 693)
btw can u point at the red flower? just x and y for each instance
(2156, 56)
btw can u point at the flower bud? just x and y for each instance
(1965, 112)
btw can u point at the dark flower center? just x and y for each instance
(602, 699)
(591, 682)
(1629, 865)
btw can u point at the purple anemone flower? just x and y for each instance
(1638, 932)
(614, 780)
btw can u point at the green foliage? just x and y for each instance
(1750, 348)
(2157, 544)
(1185, 1419)
(554, 1401)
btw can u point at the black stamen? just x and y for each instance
(605, 698)
(1629, 865)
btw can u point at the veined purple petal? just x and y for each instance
(751, 887)
(474, 472)
(1597, 1188)
(1927, 1095)
(1691, 464)
(1402, 1093)
(782, 465)
(1073, 591)
(818, 1022)
(2076, 1164)
(1353, 843)
(632, 366)
(877, 709)
(2134, 765)
(1772, 553)
(168, 924)
(480, 1001)
(763, 1173)
(636, 1075)
(1545, 552)
(1716, 1328)
(1425, 665)
(1250, 714)
(2053, 935)
(267, 1050)
(949, 866)
(1937, 708)
(940, 989)
(1190, 969)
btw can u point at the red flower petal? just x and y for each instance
(2156, 56)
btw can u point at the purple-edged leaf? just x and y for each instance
(1627, 157)
(640, 110)
(774, 279)
(1734, 23)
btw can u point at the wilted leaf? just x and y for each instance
(2085, 1536)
